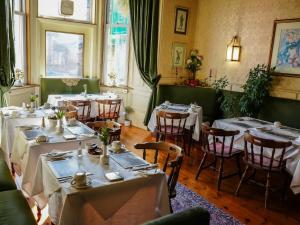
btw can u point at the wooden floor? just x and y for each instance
(248, 208)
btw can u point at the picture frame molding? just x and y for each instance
(177, 8)
(182, 44)
(272, 46)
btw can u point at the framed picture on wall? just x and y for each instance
(178, 55)
(181, 20)
(285, 48)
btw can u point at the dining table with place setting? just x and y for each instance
(267, 130)
(59, 100)
(32, 141)
(16, 117)
(100, 193)
(194, 120)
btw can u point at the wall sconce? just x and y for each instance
(233, 50)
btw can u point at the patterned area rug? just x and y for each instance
(186, 198)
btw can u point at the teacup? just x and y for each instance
(116, 146)
(79, 179)
(277, 124)
(72, 121)
(167, 102)
(41, 138)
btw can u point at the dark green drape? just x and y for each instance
(7, 49)
(144, 16)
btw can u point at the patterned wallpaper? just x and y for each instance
(252, 20)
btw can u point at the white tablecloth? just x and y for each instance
(195, 118)
(292, 155)
(9, 123)
(25, 153)
(137, 199)
(58, 100)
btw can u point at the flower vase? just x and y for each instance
(60, 128)
(104, 158)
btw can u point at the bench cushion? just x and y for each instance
(14, 209)
(6, 179)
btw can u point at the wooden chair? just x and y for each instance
(71, 111)
(109, 109)
(173, 158)
(84, 110)
(169, 124)
(257, 159)
(114, 128)
(215, 142)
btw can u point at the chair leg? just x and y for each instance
(170, 205)
(220, 176)
(238, 164)
(267, 193)
(285, 187)
(241, 181)
(190, 143)
(157, 136)
(201, 165)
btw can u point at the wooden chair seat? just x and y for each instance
(172, 130)
(228, 152)
(266, 162)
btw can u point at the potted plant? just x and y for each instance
(104, 138)
(33, 100)
(52, 120)
(193, 64)
(127, 121)
(60, 115)
(256, 90)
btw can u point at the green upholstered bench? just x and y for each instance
(287, 111)
(57, 86)
(6, 180)
(14, 209)
(192, 216)
(205, 97)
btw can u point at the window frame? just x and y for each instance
(22, 14)
(107, 25)
(65, 19)
(83, 51)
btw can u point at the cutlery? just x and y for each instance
(153, 166)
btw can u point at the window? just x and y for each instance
(20, 37)
(116, 43)
(64, 54)
(83, 10)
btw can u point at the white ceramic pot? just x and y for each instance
(53, 123)
(127, 123)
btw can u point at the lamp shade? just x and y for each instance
(233, 50)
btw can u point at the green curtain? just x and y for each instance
(7, 49)
(144, 16)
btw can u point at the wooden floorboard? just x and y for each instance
(248, 207)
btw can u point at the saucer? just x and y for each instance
(88, 184)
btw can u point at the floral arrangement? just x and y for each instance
(112, 77)
(104, 135)
(19, 74)
(194, 62)
(59, 114)
(33, 98)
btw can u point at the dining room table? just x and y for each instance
(141, 194)
(193, 121)
(268, 130)
(27, 149)
(60, 99)
(13, 117)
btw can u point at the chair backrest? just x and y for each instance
(84, 108)
(109, 109)
(114, 128)
(265, 153)
(173, 159)
(210, 137)
(171, 122)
